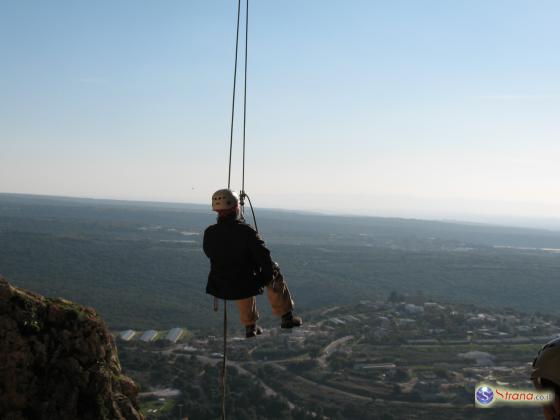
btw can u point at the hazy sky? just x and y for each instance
(411, 108)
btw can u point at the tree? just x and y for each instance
(395, 297)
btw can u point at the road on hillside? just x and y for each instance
(268, 390)
(327, 388)
(332, 346)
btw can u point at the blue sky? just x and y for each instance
(407, 108)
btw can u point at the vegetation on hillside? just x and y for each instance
(141, 265)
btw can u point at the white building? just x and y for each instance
(127, 335)
(174, 334)
(413, 309)
(148, 336)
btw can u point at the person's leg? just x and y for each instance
(279, 296)
(248, 314)
(281, 302)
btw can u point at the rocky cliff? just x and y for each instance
(58, 361)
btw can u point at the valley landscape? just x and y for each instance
(141, 265)
(402, 316)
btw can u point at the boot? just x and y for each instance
(290, 321)
(252, 330)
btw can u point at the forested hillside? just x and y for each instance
(141, 264)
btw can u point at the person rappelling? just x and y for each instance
(240, 263)
(241, 266)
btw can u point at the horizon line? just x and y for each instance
(312, 212)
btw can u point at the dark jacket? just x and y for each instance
(240, 263)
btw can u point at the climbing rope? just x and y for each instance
(233, 96)
(242, 193)
(252, 211)
(224, 360)
(245, 101)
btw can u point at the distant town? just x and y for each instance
(402, 351)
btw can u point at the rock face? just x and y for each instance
(58, 361)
